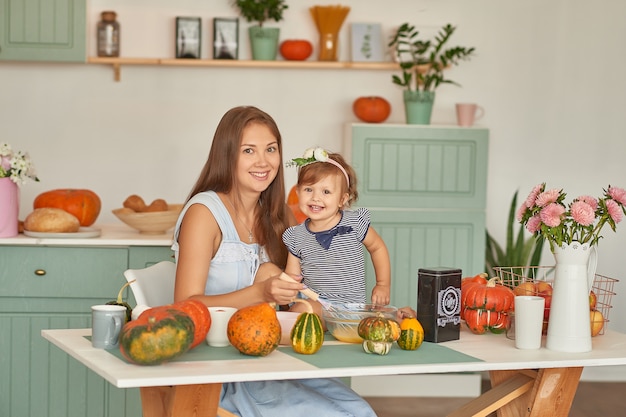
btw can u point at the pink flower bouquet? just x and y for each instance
(545, 215)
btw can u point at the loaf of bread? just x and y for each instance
(51, 220)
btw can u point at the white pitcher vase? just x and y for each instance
(568, 328)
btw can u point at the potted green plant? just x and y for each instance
(263, 40)
(423, 64)
(518, 251)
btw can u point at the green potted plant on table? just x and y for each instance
(423, 63)
(263, 40)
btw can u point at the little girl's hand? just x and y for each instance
(380, 295)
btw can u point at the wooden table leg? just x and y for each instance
(526, 393)
(552, 393)
(200, 400)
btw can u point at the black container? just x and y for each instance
(439, 303)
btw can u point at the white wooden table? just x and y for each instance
(533, 383)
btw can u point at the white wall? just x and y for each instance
(548, 73)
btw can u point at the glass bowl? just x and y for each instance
(342, 320)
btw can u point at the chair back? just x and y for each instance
(153, 286)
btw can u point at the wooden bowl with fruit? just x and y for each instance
(155, 218)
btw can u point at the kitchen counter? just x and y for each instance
(112, 235)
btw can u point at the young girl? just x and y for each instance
(326, 249)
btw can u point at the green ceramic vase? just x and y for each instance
(418, 106)
(264, 43)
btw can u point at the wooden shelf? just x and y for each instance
(230, 63)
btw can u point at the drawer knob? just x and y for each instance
(40, 272)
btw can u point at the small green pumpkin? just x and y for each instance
(376, 328)
(307, 333)
(157, 336)
(120, 302)
(379, 348)
(411, 334)
(378, 334)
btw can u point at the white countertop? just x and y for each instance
(111, 235)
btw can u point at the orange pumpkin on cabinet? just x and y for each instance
(371, 109)
(292, 202)
(85, 205)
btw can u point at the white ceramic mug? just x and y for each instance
(467, 113)
(528, 321)
(106, 325)
(217, 336)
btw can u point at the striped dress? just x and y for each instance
(337, 272)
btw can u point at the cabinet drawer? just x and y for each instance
(61, 272)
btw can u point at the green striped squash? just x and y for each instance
(411, 334)
(307, 334)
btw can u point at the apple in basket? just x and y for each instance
(544, 289)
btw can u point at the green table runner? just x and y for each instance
(352, 355)
(333, 356)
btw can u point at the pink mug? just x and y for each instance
(467, 113)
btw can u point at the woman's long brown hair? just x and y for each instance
(218, 174)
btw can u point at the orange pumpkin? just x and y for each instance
(292, 202)
(372, 109)
(465, 283)
(85, 205)
(254, 330)
(200, 316)
(480, 320)
(296, 49)
(490, 296)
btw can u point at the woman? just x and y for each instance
(228, 234)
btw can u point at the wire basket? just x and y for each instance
(603, 287)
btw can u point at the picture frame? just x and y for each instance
(367, 42)
(188, 37)
(225, 38)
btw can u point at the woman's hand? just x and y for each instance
(279, 291)
(405, 312)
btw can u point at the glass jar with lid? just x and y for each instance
(108, 35)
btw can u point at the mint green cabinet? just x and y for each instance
(43, 30)
(425, 187)
(53, 287)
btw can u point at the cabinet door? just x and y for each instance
(425, 239)
(420, 166)
(54, 288)
(43, 30)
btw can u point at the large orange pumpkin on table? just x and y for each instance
(372, 109)
(254, 330)
(85, 205)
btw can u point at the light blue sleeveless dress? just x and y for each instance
(233, 267)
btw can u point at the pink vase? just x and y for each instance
(9, 207)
